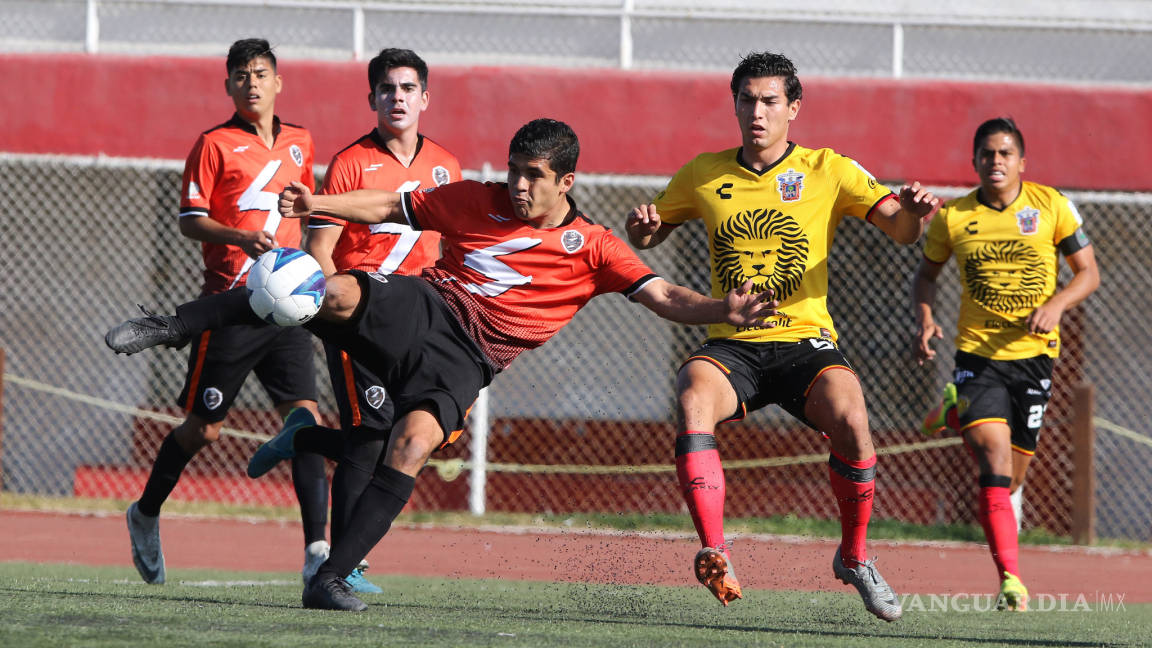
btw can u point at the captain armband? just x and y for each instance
(1075, 242)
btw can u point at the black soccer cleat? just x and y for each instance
(326, 592)
(138, 334)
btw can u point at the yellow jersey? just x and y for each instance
(1008, 264)
(774, 227)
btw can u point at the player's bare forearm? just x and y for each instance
(903, 219)
(686, 306)
(320, 242)
(207, 230)
(361, 206)
(923, 297)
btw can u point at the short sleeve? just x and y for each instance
(676, 204)
(860, 193)
(1068, 218)
(618, 269)
(200, 174)
(443, 209)
(938, 242)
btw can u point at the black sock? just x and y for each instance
(217, 311)
(311, 485)
(166, 469)
(372, 516)
(325, 441)
(351, 478)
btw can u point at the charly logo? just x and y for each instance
(1028, 220)
(213, 398)
(790, 184)
(572, 240)
(764, 245)
(440, 176)
(375, 396)
(378, 277)
(1005, 276)
(297, 155)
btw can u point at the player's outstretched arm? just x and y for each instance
(923, 297)
(903, 220)
(360, 206)
(741, 307)
(644, 227)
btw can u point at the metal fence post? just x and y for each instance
(92, 27)
(479, 425)
(1083, 466)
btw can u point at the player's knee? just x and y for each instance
(192, 435)
(341, 297)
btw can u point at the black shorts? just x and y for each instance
(763, 373)
(361, 398)
(220, 360)
(406, 335)
(1015, 392)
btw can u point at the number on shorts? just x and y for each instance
(1035, 415)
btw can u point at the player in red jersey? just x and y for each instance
(519, 261)
(394, 156)
(228, 203)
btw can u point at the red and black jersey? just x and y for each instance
(232, 177)
(513, 286)
(385, 247)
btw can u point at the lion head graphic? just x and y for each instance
(764, 245)
(1005, 276)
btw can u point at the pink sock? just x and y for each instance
(853, 483)
(999, 524)
(702, 484)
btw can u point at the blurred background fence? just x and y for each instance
(584, 423)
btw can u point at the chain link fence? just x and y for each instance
(581, 424)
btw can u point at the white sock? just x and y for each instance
(1017, 499)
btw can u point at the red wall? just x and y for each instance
(628, 122)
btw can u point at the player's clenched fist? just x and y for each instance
(295, 201)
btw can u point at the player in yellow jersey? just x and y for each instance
(1006, 237)
(771, 209)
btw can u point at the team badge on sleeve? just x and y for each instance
(441, 176)
(572, 240)
(297, 155)
(1028, 220)
(790, 184)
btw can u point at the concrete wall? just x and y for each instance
(629, 122)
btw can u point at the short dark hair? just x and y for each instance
(548, 139)
(393, 57)
(766, 64)
(245, 50)
(997, 125)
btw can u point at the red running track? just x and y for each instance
(762, 562)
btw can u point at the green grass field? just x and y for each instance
(62, 605)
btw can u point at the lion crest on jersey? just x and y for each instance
(297, 155)
(764, 245)
(1028, 220)
(790, 183)
(1005, 276)
(441, 176)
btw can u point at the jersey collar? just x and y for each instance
(379, 141)
(238, 122)
(740, 159)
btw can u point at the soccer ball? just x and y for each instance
(285, 287)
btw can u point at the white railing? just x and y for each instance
(977, 22)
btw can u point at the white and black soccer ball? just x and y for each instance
(285, 287)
